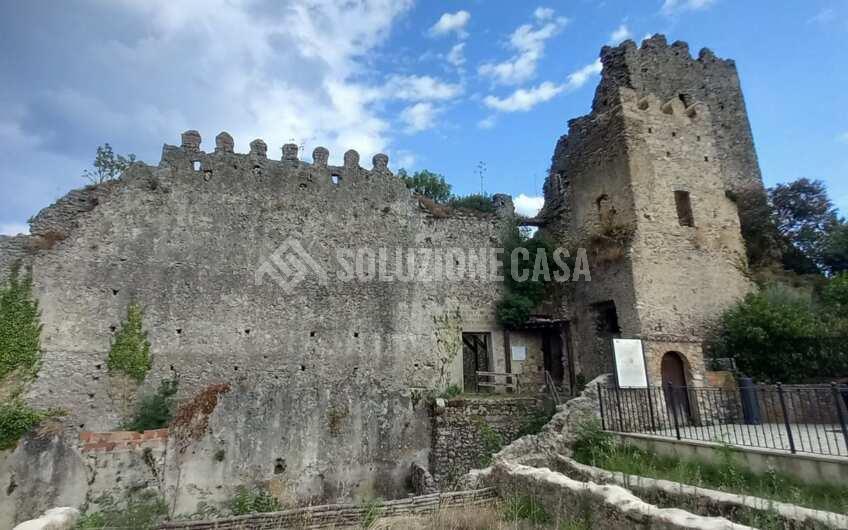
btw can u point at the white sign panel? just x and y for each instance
(630, 363)
(519, 353)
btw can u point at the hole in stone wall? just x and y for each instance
(115, 292)
(179, 331)
(698, 137)
(195, 164)
(207, 175)
(336, 179)
(706, 159)
(684, 208)
(235, 368)
(279, 466)
(247, 332)
(673, 134)
(356, 334)
(112, 329)
(90, 396)
(668, 154)
(311, 333)
(12, 486)
(302, 367)
(302, 185)
(98, 366)
(650, 130)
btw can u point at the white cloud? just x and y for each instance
(543, 13)
(419, 117)
(525, 99)
(13, 229)
(528, 206)
(528, 43)
(621, 34)
(843, 138)
(451, 23)
(672, 7)
(456, 56)
(488, 122)
(418, 88)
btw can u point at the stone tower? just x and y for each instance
(641, 183)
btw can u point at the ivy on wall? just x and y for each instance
(523, 289)
(20, 329)
(130, 352)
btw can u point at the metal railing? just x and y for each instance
(797, 418)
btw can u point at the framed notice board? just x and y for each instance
(629, 356)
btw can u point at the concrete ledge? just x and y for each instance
(810, 468)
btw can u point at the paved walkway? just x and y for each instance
(826, 440)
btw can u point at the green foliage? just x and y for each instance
(804, 215)
(20, 330)
(155, 411)
(591, 443)
(834, 297)
(834, 250)
(253, 501)
(130, 352)
(481, 202)
(144, 511)
(524, 508)
(779, 335)
(107, 165)
(426, 183)
(372, 509)
(537, 421)
(725, 475)
(451, 392)
(16, 419)
(525, 261)
(492, 442)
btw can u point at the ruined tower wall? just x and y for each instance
(328, 378)
(670, 71)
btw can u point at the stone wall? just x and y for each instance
(464, 430)
(328, 375)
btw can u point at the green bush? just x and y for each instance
(451, 392)
(130, 352)
(16, 419)
(787, 335)
(476, 201)
(20, 330)
(591, 443)
(426, 183)
(155, 411)
(144, 511)
(492, 442)
(253, 501)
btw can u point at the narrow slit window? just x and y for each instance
(684, 208)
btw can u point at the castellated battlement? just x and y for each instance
(190, 155)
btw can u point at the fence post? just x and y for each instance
(601, 406)
(673, 408)
(651, 409)
(842, 422)
(786, 417)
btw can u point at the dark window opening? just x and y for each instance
(475, 358)
(606, 319)
(684, 208)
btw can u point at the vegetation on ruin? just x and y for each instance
(130, 351)
(107, 165)
(155, 411)
(16, 419)
(142, 511)
(492, 442)
(433, 186)
(254, 500)
(523, 289)
(192, 417)
(372, 509)
(20, 328)
(513, 513)
(595, 447)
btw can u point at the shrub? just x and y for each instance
(591, 443)
(492, 442)
(772, 335)
(480, 202)
(20, 330)
(427, 184)
(451, 392)
(155, 411)
(372, 509)
(16, 419)
(253, 501)
(143, 511)
(130, 352)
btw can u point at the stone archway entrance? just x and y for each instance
(674, 372)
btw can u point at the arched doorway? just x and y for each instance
(674, 371)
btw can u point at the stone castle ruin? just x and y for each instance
(330, 383)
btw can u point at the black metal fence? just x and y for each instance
(797, 418)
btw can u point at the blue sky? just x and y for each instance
(439, 85)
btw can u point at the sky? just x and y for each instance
(476, 90)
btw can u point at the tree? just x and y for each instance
(834, 255)
(804, 216)
(107, 165)
(426, 183)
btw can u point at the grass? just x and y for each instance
(596, 448)
(513, 513)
